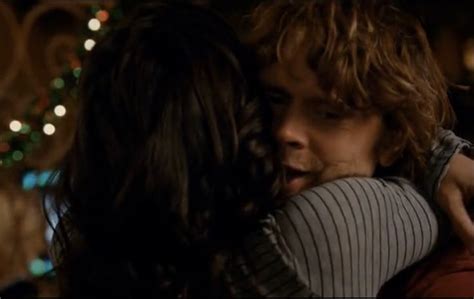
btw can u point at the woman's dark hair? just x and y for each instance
(171, 162)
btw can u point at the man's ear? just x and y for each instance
(390, 149)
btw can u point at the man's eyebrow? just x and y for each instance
(325, 104)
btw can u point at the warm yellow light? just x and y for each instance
(89, 44)
(15, 126)
(49, 129)
(102, 15)
(469, 54)
(94, 24)
(60, 110)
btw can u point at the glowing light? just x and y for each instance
(58, 83)
(25, 129)
(44, 178)
(60, 110)
(89, 44)
(469, 54)
(94, 24)
(102, 15)
(29, 181)
(15, 126)
(77, 72)
(37, 267)
(17, 155)
(49, 129)
(48, 265)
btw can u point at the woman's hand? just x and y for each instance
(456, 195)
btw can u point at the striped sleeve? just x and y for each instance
(343, 238)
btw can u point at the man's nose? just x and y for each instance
(290, 129)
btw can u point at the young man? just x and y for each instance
(192, 169)
(355, 92)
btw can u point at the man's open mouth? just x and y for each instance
(296, 180)
(293, 173)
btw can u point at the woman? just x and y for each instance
(170, 184)
(170, 146)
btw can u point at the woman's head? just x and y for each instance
(170, 150)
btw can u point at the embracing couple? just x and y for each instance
(308, 161)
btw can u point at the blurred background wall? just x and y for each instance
(42, 43)
(41, 47)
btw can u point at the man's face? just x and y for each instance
(318, 142)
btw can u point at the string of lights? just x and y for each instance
(41, 119)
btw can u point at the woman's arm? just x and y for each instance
(363, 232)
(343, 238)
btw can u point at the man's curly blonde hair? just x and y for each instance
(373, 56)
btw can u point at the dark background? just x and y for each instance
(449, 26)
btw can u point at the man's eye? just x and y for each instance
(276, 99)
(330, 115)
(327, 115)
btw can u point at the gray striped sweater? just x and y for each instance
(345, 238)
